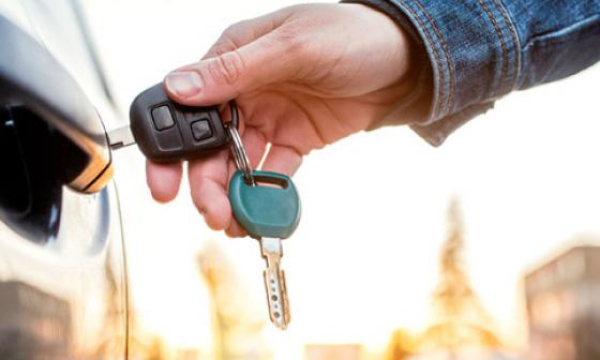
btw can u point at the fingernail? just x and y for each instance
(184, 83)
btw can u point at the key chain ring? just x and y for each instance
(240, 157)
(233, 114)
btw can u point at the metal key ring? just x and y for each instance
(239, 154)
(233, 113)
(240, 157)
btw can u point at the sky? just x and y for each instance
(364, 259)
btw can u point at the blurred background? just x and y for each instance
(484, 248)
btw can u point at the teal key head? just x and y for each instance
(271, 208)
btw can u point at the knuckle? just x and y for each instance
(219, 49)
(292, 42)
(229, 39)
(228, 36)
(228, 67)
(229, 31)
(233, 29)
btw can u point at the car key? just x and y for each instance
(269, 213)
(167, 132)
(269, 210)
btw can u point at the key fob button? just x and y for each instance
(169, 132)
(169, 139)
(201, 129)
(162, 118)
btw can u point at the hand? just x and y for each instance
(304, 77)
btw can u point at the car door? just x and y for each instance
(63, 289)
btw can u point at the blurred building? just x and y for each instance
(563, 305)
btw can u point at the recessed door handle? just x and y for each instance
(32, 78)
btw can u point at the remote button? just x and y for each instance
(169, 132)
(161, 116)
(169, 139)
(201, 129)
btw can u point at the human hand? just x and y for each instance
(304, 77)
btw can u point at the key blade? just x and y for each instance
(279, 311)
(274, 277)
(120, 137)
(271, 250)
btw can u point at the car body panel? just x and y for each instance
(63, 280)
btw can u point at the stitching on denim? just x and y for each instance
(590, 20)
(436, 30)
(504, 67)
(435, 54)
(516, 42)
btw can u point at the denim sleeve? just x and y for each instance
(476, 51)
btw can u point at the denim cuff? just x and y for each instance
(463, 40)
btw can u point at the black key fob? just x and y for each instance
(167, 132)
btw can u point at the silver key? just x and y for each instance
(120, 137)
(271, 249)
(279, 310)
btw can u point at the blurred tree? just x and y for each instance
(143, 344)
(459, 318)
(401, 345)
(237, 326)
(157, 349)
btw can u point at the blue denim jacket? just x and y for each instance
(475, 51)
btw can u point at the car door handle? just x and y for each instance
(32, 78)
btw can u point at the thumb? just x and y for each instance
(219, 79)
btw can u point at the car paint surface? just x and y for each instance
(63, 295)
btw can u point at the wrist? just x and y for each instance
(414, 90)
(391, 42)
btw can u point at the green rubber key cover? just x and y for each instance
(265, 211)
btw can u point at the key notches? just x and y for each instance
(274, 277)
